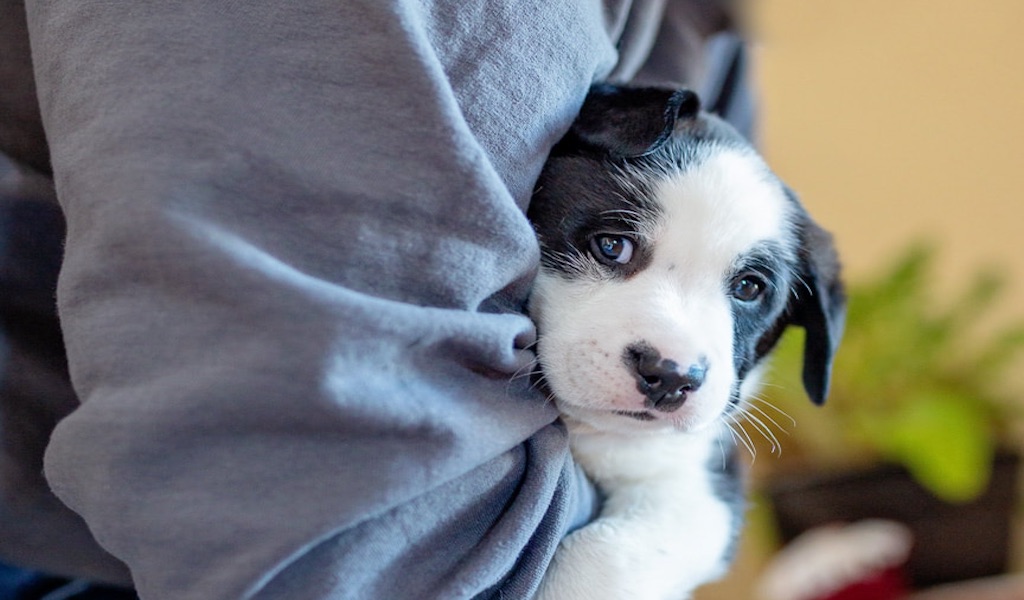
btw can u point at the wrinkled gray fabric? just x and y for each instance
(292, 293)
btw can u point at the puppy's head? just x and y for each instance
(672, 261)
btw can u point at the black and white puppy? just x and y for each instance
(672, 261)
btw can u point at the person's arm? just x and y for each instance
(291, 295)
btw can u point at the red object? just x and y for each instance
(890, 584)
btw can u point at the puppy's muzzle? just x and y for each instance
(663, 382)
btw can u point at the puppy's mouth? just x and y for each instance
(642, 415)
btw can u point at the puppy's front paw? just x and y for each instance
(602, 562)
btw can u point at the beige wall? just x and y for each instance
(901, 118)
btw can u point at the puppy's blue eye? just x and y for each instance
(748, 287)
(614, 248)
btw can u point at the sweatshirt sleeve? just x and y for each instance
(292, 290)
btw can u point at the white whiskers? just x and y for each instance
(766, 425)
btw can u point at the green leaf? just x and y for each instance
(1001, 352)
(940, 436)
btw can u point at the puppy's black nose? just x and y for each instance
(663, 381)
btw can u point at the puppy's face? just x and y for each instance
(667, 274)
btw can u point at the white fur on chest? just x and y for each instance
(662, 530)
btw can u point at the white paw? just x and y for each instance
(602, 561)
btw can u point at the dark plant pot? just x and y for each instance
(952, 542)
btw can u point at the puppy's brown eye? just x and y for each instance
(748, 287)
(612, 248)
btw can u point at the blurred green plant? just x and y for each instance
(916, 384)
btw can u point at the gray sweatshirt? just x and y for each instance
(293, 287)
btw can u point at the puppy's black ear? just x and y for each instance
(819, 306)
(629, 122)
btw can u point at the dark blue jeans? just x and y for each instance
(23, 584)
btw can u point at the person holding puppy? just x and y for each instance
(292, 287)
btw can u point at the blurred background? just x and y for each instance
(900, 118)
(900, 123)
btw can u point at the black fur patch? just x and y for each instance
(599, 202)
(755, 323)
